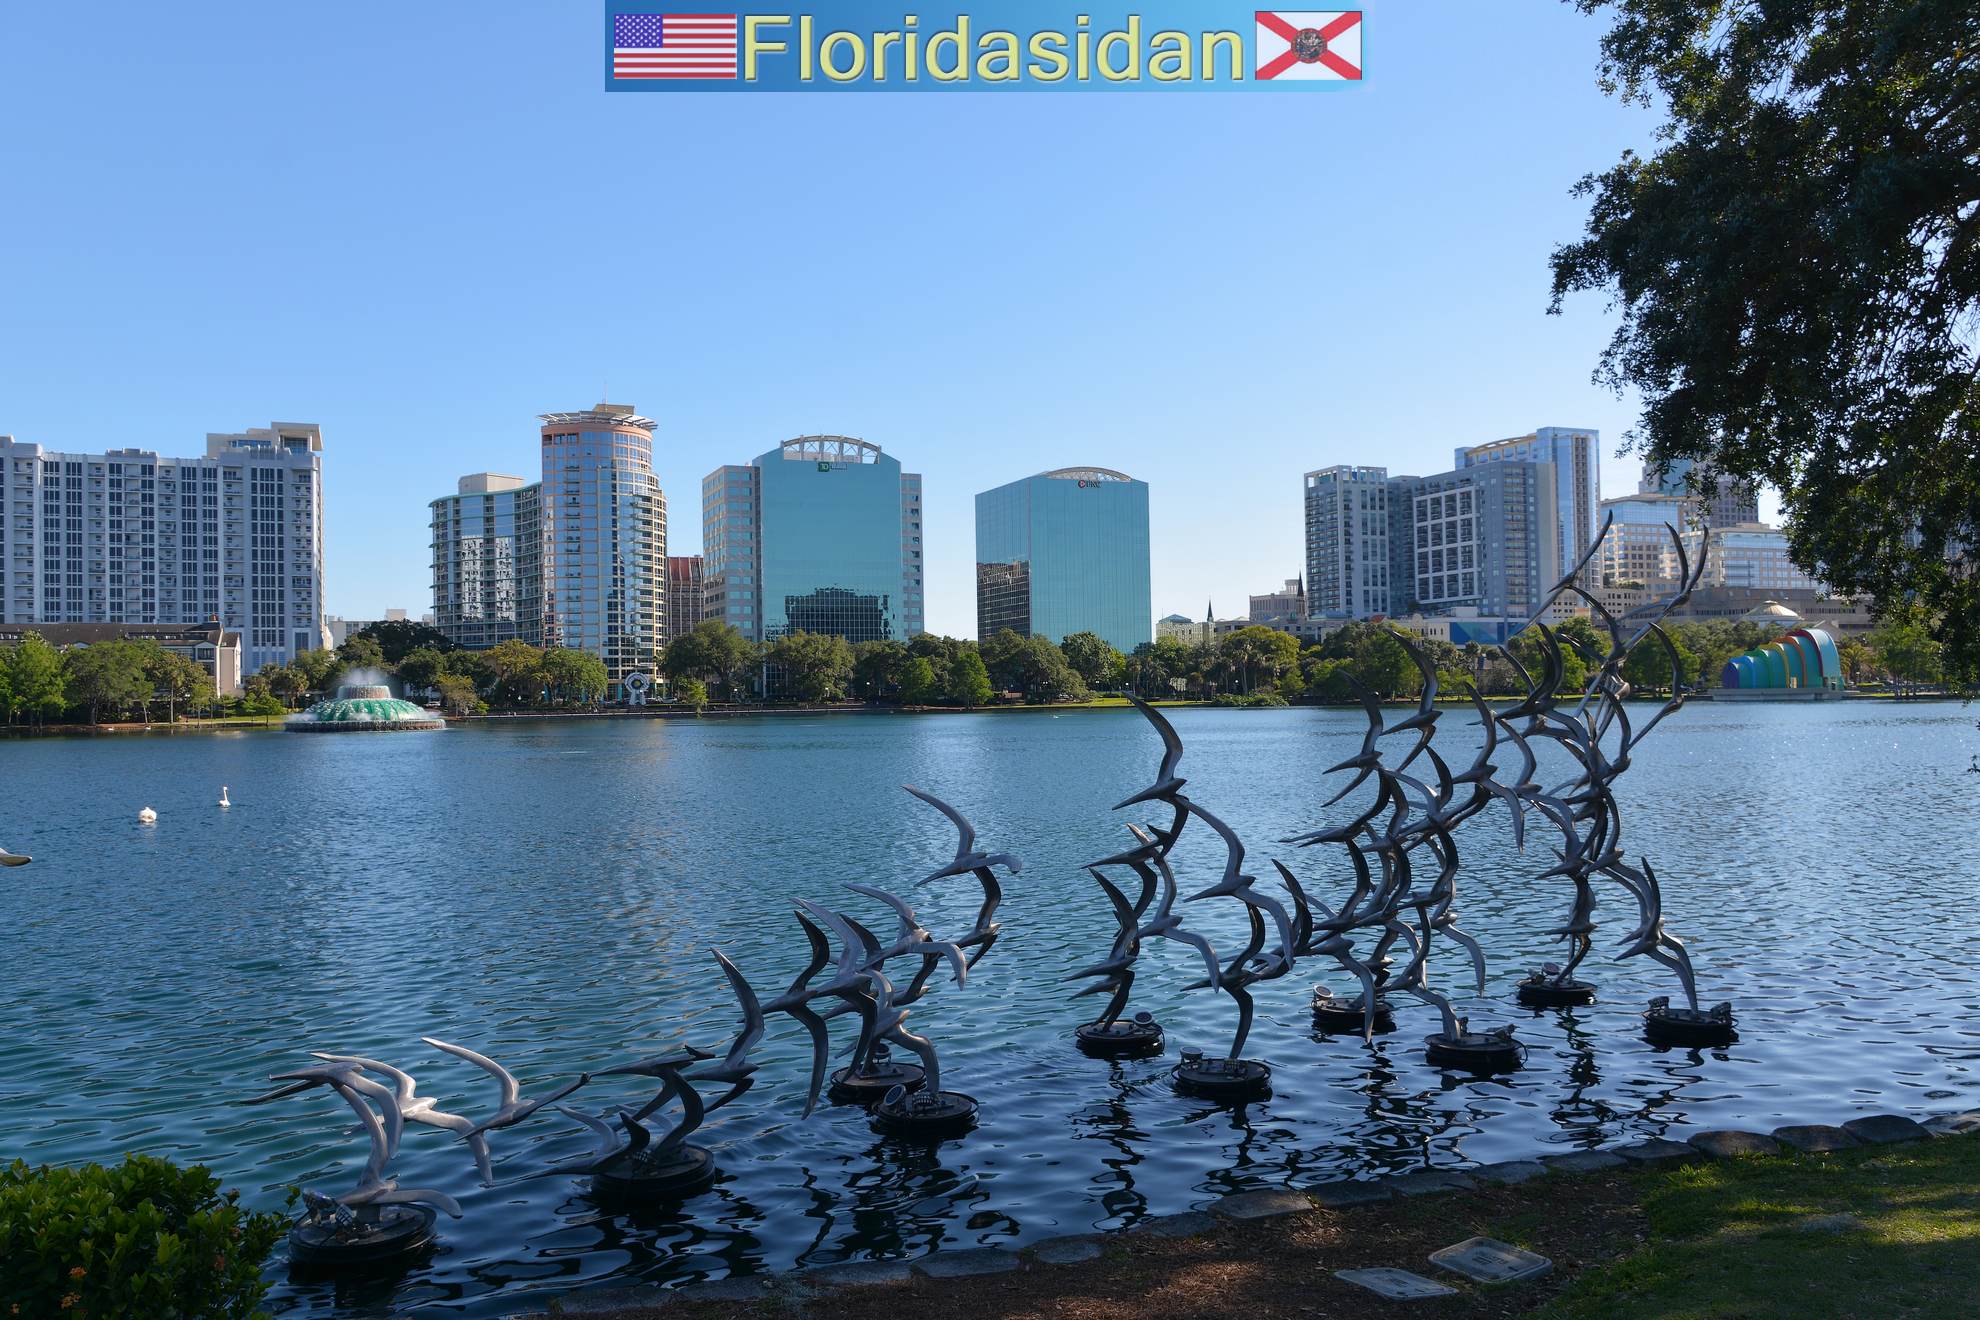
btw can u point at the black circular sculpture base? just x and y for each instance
(1542, 991)
(1475, 1051)
(1222, 1079)
(931, 1117)
(1120, 1039)
(399, 1233)
(1344, 1017)
(687, 1170)
(867, 1088)
(1696, 1028)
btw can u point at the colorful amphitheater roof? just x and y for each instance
(1804, 658)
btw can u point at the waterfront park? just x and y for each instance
(1162, 992)
(1621, 961)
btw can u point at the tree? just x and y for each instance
(283, 682)
(457, 694)
(692, 693)
(1906, 649)
(517, 669)
(1797, 271)
(360, 652)
(574, 677)
(1257, 654)
(1096, 662)
(1157, 665)
(318, 668)
(877, 668)
(6, 688)
(398, 638)
(182, 681)
(815, 666)
(471, 665)
(969, 682)
(1648, 667)
(1030, 665)
(421, 668)
(107, 678)
(937, 650)
(34, 672)
(918, 686)
(712, 651)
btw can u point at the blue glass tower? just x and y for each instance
(1065, 552)
(821, 535)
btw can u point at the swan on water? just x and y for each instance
(223, 796)
(146, 815)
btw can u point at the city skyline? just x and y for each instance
(414, 262)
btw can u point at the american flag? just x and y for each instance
(673, 45)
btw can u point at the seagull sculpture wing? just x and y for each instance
(511, 1091)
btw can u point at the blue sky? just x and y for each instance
(422, 224)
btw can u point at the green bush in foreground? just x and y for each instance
(143, 1239)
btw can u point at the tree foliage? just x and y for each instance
(398, 638)
(574, 678)
(34, 672)
(1096, 662)
(713, 652)
(1797, 269)
(877, 669)
(969, 682)
(811, 666)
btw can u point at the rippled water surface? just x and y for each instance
(550, 893)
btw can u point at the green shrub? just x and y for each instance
(1264, 697)
(261, 704)
(143, 1239)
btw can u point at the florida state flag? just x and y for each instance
(1323, 46)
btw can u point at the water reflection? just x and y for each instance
(556, 910)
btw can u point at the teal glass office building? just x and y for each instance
(1065, 552)
(820, 535)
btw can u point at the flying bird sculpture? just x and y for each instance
(376, 1220)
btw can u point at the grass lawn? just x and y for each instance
(1890, 1231)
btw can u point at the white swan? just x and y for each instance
(13, 859)
(147, 816)
(223, 796)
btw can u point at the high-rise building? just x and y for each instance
(1724, 501)
(1065, 552)
(133, 537)
(683, 594)
(1754, 556)
(604, 538)
(1348, 541)
(729, 504)
(1484, 538)
(488, 561)
(577, 558)
(914, 606)
(821, 534)
(1638, 547)
(1575, 454)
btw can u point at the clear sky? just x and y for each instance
(421, 224)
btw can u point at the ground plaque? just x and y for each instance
(1396, 1285)
(1488, 1260)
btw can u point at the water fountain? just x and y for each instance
(364, 707)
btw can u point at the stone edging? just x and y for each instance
(972, 1262)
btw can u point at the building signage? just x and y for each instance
(1019, 45)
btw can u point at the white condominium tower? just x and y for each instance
(1576, 455)
(131, 536)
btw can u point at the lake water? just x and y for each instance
(550, 892)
